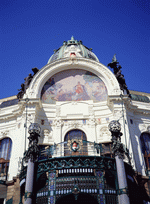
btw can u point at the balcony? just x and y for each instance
(76, 147)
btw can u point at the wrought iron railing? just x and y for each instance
(73, 148)
(73, 153)
(77, 162)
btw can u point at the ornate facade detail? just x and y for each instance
(91, 111)
(74, 123)
(58, 111)
(119, 76)
(104, 133)
(117, 147)
(91, 122)
(33, 149)
(31, 117)
(74, 103)
(84, 162)
(117, 113)
(74, 144)
(5, 133)
(46, 133)
(25, 85)
(31, 92)
(58, 123)
(98, 121)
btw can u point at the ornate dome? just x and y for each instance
(72, 48)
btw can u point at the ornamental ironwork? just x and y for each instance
(94, 185)
(72, 147)
(117, 147)
(33, 149)
(76, 162)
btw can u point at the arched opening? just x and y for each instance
(5, 153)
(145, 142)
(74, 85)
(75, 143)
(82, 198)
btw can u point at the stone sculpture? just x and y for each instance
(117, 72)
(25, 85)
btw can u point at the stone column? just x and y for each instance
(31, 156)
(29, 182)
(119, 151)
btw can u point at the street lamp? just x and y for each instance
(119, 151)
(34, 128)
(31, 156)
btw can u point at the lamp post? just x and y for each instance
(31, 156)
(119, 151)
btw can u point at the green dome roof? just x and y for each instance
(72, 48)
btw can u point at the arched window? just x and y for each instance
(75, 143)
(145, 142)
(5, 152)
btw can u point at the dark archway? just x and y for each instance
(82, 198)
(75, 134)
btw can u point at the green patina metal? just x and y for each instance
(140, 98)
(85, 52)
(80, 174)
(59, 185)
(76, 162)
(123, 191)
(10, 201)
(28, 195)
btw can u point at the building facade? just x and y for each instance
(74, 98)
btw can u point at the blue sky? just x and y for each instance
(31, 29)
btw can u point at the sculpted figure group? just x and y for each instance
(117, 72)
(26, 83)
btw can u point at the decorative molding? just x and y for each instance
(117, 113)
(91, 111)
(69, 63)
(91, 122)
(57, 123)
(46, 135)
(104, 133)
(58, 110)
(31, 117)
(74, 123)
(5, 133)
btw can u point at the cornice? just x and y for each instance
(17, 110)
(134, 106)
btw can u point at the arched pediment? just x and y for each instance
(97, 69)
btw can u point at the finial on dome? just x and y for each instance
(114, 59)
(72, 38)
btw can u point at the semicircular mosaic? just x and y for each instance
(74, 85)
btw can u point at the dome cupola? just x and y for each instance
(72, 49)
